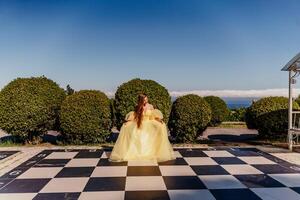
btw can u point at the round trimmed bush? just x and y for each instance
(127, 94)
(86, 117)
(190, 115)
(219, 110)
(270, 116)
(237, 115)
(29, 107)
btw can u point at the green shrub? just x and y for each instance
(127, 94)
(270, 116)
(113, 112)
(86, 117)
(190, 115)
(29, 107)
(219, 110)
(236, 115)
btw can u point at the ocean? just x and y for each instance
(236, 102)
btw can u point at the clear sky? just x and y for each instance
(183, 44)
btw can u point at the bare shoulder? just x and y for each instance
(150, 106)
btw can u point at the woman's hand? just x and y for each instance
(159, 120)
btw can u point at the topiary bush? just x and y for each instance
(236, 115)
(270, 116)
(127, 93)
(86, 117)
(113, 112)
(29, 107)
(219, 110)
(190, 115)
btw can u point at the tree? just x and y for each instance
(69, 90)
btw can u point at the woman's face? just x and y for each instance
(145, 100)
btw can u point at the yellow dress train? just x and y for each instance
(148, 142)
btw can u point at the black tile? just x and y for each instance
(52, 163)
(106, 162)
(29, 163)
(177, 161)
(234, 194)
(228, 160)
(274, 169)
(42, 155)
(243, 152)
(183, 182)
(4, 182)
(147, 195)
(143, 171)
(106, 184)
(258, 181)
(192, 153)
(4, 155)
(9, 152)
(209, 170)
(25, 186)
(296, 189)
(62, 196)
(89, 154)
(75, 172)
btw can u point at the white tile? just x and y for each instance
(256, 160)
(142, 163)
(110, 171)
(190, 195)
(83, 162)
(218, 153)
(276, 193)
(177, 170)
(17, 196)
(221, 182)
(65, 185)
(61, 155)
(145, 183)
(290, 180)
(200, 161)
(241, 169)
(105, 154)
(40, 172)
(105, 195)
(177, 154)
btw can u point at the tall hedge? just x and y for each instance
(237, 115)
(190, 115)
(127, 93)
(270, 116)
(86, 117)
(29, 107)
(219, 110)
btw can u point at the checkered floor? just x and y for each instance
(206, 174)
(6, 154)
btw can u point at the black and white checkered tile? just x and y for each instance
(6, 154)
(207, 174)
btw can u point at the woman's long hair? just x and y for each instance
(139, 109)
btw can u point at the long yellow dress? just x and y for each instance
(148, 142)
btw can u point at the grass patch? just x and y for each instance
(9, 143)
(232, 125)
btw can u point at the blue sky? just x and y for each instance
(183, 44)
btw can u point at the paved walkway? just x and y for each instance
(220, 173)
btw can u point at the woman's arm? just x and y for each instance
(129, 116)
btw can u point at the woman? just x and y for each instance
(143, 136)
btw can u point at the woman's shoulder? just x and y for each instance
(129, 116)
(149, 106)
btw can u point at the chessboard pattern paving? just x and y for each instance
(207, 174)
(6, 154)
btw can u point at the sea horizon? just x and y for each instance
(234, 102)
